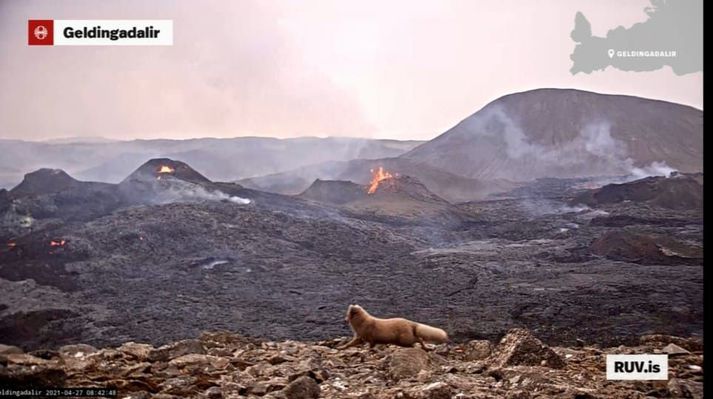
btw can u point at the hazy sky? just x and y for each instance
(384, 68)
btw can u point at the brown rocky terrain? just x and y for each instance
(224, 365)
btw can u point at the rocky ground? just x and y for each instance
(281, 267)
(223, 365)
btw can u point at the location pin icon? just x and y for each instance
(611, 53)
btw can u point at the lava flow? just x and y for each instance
(166, 169)
(57, 243)
(377, 176)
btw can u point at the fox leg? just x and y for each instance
(354, 342)
(423, 344)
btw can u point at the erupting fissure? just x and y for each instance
(377, 176)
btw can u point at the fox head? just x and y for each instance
(352, 311)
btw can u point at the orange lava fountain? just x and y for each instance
(377, 176)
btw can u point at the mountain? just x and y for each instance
(219, 159)
(79, 139)
(568, 133)
(45, 181)
(538, 134)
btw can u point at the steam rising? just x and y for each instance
(181, 191)
(655, 169)
(593, 151)
(542, 207)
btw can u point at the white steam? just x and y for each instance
(542, 207)
(592, 152)
(599, 142)
(655, 169)
(181, 191)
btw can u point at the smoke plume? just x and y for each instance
(181, 191)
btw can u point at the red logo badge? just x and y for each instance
(40, 32)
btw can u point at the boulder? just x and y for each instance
(302, 388)
(436, 390)
(9, 349)
(200, 361)
(261, 388)
(661, 340)
(674, 350)
(138, 351)
(25, 359)
(72, 350)
(178, 386)
(519, 394)
(520, 348)
(225, 340)
(678, 388)
(407, 363)
(477, 350)
(214, 393)
(36, 375)
(176, 349)
(44, 354)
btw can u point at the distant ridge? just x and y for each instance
(567, 133)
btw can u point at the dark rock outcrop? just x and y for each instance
(679, 192)
(645, 249)
(334, 191)
(45, 181)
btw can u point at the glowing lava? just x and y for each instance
(377, 176)
(166, 169)
(57, 243)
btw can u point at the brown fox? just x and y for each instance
(398, 331)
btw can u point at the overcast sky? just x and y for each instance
(399, 69)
